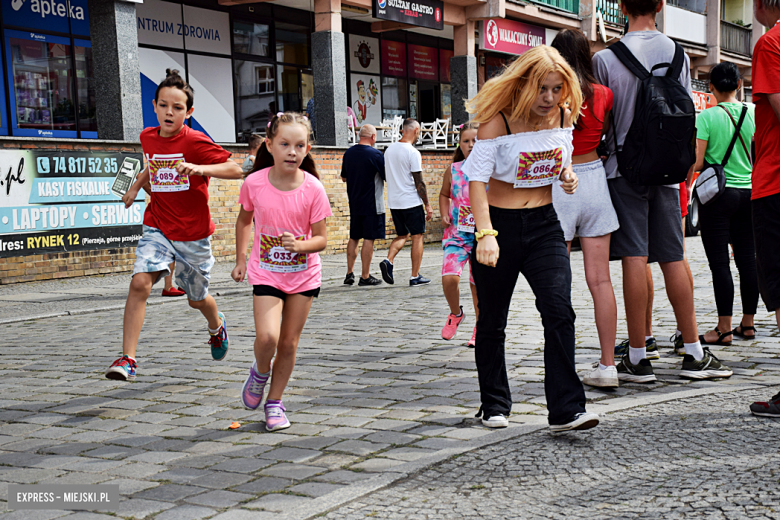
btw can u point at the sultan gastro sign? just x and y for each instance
(423, 13)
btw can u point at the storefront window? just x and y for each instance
(86, 90)
(292, 43)
(289, 98)
(251, 38)
(394, 97)
(43, 99)
(255, 96)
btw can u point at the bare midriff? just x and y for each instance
(505, 195)
(585, 158)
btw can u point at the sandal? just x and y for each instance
(718, 341)
(741, 333)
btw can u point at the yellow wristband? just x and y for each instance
(485, 232)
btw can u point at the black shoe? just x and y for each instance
(420, 280)
(387, 271)
(709, 367)
(350, 279)
(642, 372)
(369, 281)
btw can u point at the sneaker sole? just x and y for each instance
(705, 374)
(602, 382)
(631, 378)
(385, 276)
(766, 414)
(494, 425)
(116, 375)
(653, 355)
(277, 428)
(585, 425)
(418, 284)
(680, 352)
(349, 283)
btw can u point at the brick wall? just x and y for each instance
(224, 208)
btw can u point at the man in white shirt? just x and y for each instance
(407, 199)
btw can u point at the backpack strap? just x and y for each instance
(677, 62)
(629, 60)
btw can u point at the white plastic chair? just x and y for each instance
(352, 131)
(395, 132)
(439, 137)
(426, 133)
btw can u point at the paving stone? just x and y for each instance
(277, 502)
(314, 489)
(219, 499)
(220, 480)
(263, 485)
(140, 508)
(341, 477)
(169, 492)
(291, 454)
(186, 512)
(291, 471)
(361, 448)
(129, 486)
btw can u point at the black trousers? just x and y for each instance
(727, 220)
(531, 242)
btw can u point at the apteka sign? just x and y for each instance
(422, 13)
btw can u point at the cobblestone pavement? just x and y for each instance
(376, 396)
(704, 457)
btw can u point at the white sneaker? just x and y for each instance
(581, 421)
(497, 421)
(602, 378)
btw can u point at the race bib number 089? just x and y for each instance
(275, 258)
(163, 175)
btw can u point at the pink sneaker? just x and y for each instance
(451, 328)
(473, 341)
(252, 393)
(275, 419)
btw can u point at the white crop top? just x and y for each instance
(527, 159)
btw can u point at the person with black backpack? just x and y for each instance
(651, 150)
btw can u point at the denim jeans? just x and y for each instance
(531, 242)
(726, 220)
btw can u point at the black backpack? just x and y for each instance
(659, 147)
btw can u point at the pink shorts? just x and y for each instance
(455, 258)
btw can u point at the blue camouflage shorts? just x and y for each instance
(193, 261)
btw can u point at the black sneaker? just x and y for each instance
(580, 421)
(369, 281)
(679, 345)
(767, 409)
(420, 280)
(709, 367)
(387, 271)
(642, 372)
(350, 279)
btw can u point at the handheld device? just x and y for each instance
(126, 176)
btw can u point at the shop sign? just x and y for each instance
(393, 58)
(422, 13)
(55, 201)
(48, 15)
(703, 101)
(444, 64)
(160, 23)
(423, 62)
(363, 54)
(510, 37)
(206, 30)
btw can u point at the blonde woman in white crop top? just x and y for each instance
(523, 145)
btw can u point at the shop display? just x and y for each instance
(33, 98)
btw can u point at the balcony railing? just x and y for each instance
(735, 38)
(610, 11)
(572, 6)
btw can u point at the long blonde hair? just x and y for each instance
(519, 85)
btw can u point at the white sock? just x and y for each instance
(391, 263)
(130, 357)
(635, 355)
(695, 350)
(214, 332)
(677, 334)
(647, 338)
(604, 367)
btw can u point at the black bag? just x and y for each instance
(711, 183)
(659, 147)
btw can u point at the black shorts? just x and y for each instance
(267, 290)
(766, 230)
(368, 227)
(409, 221)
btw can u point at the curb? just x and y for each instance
(335, 499)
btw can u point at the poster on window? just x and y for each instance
(366, 100)
(363, 54)
(446, 101)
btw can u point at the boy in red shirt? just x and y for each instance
(766, 170)
(177, 222)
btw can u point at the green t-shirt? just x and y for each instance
(715, 127)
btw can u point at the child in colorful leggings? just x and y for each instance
(459, 234)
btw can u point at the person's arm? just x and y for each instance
(140, 181)
(422, 191)
(774, 102)
(226, 170)
(444, 198)
(569, 179)
(318, 241)
(701, 149)
(243, 225)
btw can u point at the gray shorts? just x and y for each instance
(650, 223)
(588, 212)
(193, 261)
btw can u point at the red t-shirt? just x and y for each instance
(766, 80)
(179, 205)
(587, 133)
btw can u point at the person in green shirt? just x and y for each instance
(728, 218)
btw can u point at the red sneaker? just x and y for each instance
(451, 328)
(174, 291)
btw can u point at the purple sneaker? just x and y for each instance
(252, 393)
(275, 419)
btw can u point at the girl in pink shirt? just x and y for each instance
(289, 206)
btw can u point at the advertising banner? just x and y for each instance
(703, 101)
(366, 99)
(393, 58)
(363, 54)
(423, 62)
(56, 201)
(444, 64)
(48, 15)
(422, 13)
(510, 37)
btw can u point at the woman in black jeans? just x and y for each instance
(523, 145)
(727, 219)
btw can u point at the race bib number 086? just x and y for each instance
(275, 258)
(536, 169)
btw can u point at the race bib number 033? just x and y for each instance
(275, 258)
(465, 219)
(163, 175)
(536, 169)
